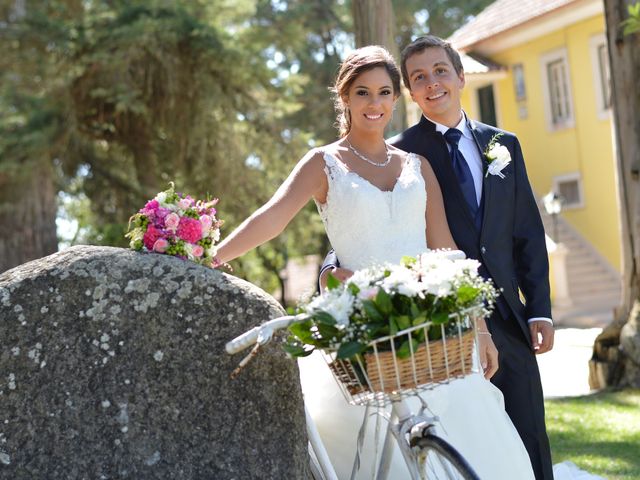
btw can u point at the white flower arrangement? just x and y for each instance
(497, 155)
(385, 299)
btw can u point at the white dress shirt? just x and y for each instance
(469, 149)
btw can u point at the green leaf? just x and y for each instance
(435, 332)
(383, 302)
(353, 289)
(302, 331)
(371, 311)
(407, 261)
(297, 350)
(324, 317)
(393, 326)
(403, 322)
(376, 330)
(419, 320)
(405, 348)
(327, 331)
(349, 349)
(438, 318)
(332, 282)
(631, 26)
(467, 294)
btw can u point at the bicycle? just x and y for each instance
(390, 380)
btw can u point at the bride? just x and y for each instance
(379, 203)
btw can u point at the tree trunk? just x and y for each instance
(374, 24)
(616, 358)
(27, 217)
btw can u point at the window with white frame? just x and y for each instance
(601, 74)
(557, 90)
(518, 82)
(569, 188)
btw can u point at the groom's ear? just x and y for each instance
(462, 80)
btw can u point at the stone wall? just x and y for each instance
(112, 365)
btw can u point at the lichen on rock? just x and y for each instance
(113, 365)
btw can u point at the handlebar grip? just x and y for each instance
(243, 341)
(261, 333)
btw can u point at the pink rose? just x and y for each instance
(150, 236)
(152, 204)
(150, 209)
(197, 251)
(162, 212)
(161, 245)
(172, 221)
(189, 230)
(206, 221)
(184, 204)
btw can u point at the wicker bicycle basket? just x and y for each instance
(379, 374)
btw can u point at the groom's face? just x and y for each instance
(435, 85)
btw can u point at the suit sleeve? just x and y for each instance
(530, 250)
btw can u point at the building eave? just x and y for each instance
(534, 27)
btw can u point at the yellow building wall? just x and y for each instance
(586, 147)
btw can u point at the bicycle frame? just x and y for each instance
(403, 424)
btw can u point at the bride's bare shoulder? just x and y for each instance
(316, 156)
(402, 154)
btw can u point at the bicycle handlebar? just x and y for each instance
(260, 334)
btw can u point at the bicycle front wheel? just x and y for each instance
(439, 460)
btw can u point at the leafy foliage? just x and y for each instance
(632, 23)
(117, 98)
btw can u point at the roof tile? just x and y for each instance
(500, 16)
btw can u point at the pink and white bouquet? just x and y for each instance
(178, 225)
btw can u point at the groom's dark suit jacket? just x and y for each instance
(511, 243)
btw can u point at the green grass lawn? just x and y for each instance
(600, 433)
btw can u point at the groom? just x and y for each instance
(493, 217)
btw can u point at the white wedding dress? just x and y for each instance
(367, 225)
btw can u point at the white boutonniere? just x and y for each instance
(497, 155)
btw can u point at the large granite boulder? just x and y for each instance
(112, 365)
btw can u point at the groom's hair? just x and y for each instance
(419, 45)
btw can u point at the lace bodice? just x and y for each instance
(366, 225)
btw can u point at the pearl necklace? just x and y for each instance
(368, 160)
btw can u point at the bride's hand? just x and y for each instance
(488, 353)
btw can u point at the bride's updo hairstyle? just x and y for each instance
(359, 61)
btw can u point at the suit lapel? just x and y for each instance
(440, 160)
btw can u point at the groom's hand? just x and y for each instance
(488, 355)
(541, 336)
(341, 274)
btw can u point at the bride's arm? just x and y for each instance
(438, 232)
(306, 180)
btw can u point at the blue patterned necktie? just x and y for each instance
(463, 172)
